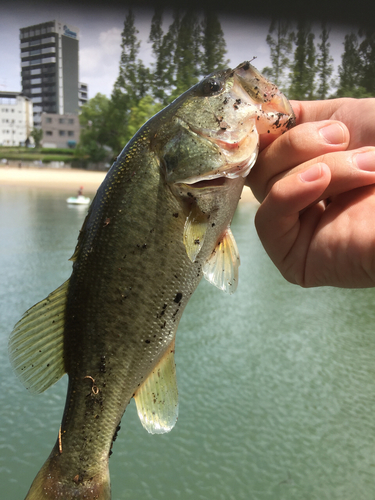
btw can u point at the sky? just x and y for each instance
(100, 38)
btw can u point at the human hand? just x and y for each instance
(316, 185)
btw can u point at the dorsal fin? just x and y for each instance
(36, 345)
(221, 269)
(157, 397)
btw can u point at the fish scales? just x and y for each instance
(159, 222)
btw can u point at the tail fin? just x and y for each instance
(52, 482)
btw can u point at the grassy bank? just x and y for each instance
(44, 155)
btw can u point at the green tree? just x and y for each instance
(303, 67)
(350, 70)
(163, 48)
(324, 64)
(213, 44)
(95, 137)
(37, 135)
(367, 55)
(280, 41)
(131, 86)
(187, 53)
(143, 111)
(133, 76)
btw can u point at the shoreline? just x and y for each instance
(67, 179)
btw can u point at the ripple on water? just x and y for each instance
(276, 383)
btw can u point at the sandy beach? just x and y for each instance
(52, 178)
(66, 179)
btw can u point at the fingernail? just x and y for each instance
(366, 161)
(312, 174)
(333, 134)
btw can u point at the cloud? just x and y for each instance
(99, 58)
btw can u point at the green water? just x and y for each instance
(276, 383)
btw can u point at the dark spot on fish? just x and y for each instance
(144, 246)
(178, 297)
(107, 221)
(268, 131)
(147, 341)
(238, 101)
(196, 242)
(213, 224)
(175, 214)
(225, 100)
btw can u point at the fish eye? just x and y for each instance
(212, 86)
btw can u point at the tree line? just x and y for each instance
(303, 67)
(194, 46)
(191, 47)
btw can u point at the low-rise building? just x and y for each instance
(16, 119)
(60, 131)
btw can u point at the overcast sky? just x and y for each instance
(100, 37)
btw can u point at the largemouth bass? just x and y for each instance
(160, 221)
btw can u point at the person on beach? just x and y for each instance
(316, 186)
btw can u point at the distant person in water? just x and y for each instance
(80, 191)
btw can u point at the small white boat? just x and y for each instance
(78, 200)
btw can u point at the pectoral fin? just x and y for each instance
(221, 269)
(157, 398)
(36, 345)
(194, 233)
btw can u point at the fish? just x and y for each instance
(160, 221)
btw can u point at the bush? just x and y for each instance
(58, 151)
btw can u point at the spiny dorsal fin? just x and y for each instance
(221, 269)
(194, 232)
(157, 398)
(36, 345)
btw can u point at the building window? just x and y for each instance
(70, 121)
(62, 133)
(48, 119)
(61, 120)
(70, 133)
(49, 132)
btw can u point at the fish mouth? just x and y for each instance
(221, 177)
(240, 151)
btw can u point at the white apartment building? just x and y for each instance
(16, 119)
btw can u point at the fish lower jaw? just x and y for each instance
(222, 176)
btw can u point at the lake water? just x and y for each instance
(276, 383)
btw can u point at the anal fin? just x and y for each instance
(157, 398)
(221, 269)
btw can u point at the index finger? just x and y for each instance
(313, 111)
